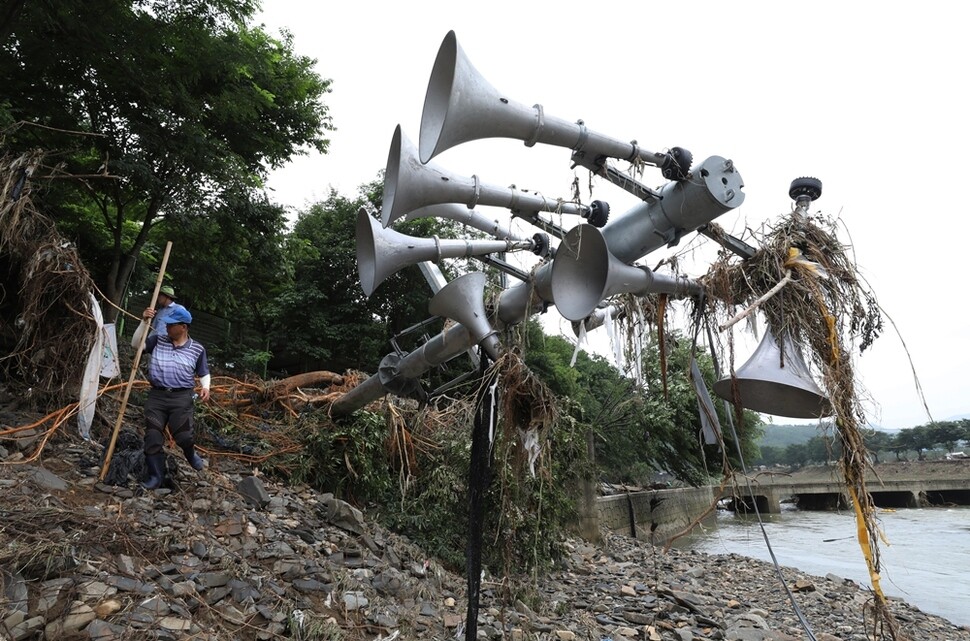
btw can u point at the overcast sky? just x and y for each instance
(869, 97)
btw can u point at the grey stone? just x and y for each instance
(275, 549)
(253, 490)
(311, 585)
(156, 606)
(388, 582)
(215, 595)
(243, 591)
(100, 630)
(26, 629)
(343, 515)
(355, 600)
(126, 565)
(15, 591)
(207, 580)
(746, 634)
(129, 585)
(175, 624)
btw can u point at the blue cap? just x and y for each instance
(180, 315)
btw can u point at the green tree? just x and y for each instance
(639, 430)
(156, 112)
(770, 455)
(877, 441)
(796, 455)
(946, 433)
(917, 439)
(321, 318)
(822, 448)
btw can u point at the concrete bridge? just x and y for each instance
(768, 493)
(656, 515)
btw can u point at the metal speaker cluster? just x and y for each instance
(768, 384)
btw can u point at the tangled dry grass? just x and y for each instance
(804, 282)
(53, 330)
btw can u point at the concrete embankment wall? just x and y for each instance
(653, 515)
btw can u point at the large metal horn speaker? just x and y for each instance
(465, 216)
(767, 383)
(462, 300)
(409, 184)
(585, 272)
(461, 105)
(382, 252)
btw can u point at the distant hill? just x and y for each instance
(784, 435)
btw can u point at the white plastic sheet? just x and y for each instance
(581, 340)
(92, 375)
(109, 360)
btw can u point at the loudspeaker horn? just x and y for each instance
(382, 252)
(462, 300)
(465, 216)
(585, 272)
(776, 381)
(460, 106)
(410, 185)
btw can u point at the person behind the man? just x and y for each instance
(176, 360)
(166, 306)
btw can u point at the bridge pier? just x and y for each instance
(898, 498)
(766, 502)
(827, 501)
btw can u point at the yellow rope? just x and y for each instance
(866, 544)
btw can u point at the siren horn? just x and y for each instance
(460, 106)
(410, 185)
(776, 381)
(465, 216)
(462, 300)
(382, 252)
(585, 272)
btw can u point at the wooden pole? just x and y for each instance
(134, 368)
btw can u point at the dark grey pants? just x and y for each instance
(174, 409)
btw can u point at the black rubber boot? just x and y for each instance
(196, 461)
(156, 471)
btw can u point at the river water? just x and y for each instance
(927, 561)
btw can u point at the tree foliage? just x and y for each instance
(640, 429)
(822, 449)
(321, 316)
(153, 113)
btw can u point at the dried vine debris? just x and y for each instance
(259, 416)
(44, 298)
(825, 308)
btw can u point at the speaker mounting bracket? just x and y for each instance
(617, 177)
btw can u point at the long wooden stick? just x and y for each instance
(134, 368)
(747, 312)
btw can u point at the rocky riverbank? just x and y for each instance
(229, 555)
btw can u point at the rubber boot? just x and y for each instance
(156, 471)
(196, 461)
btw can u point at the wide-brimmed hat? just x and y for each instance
(168, 290)
(180, 315)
